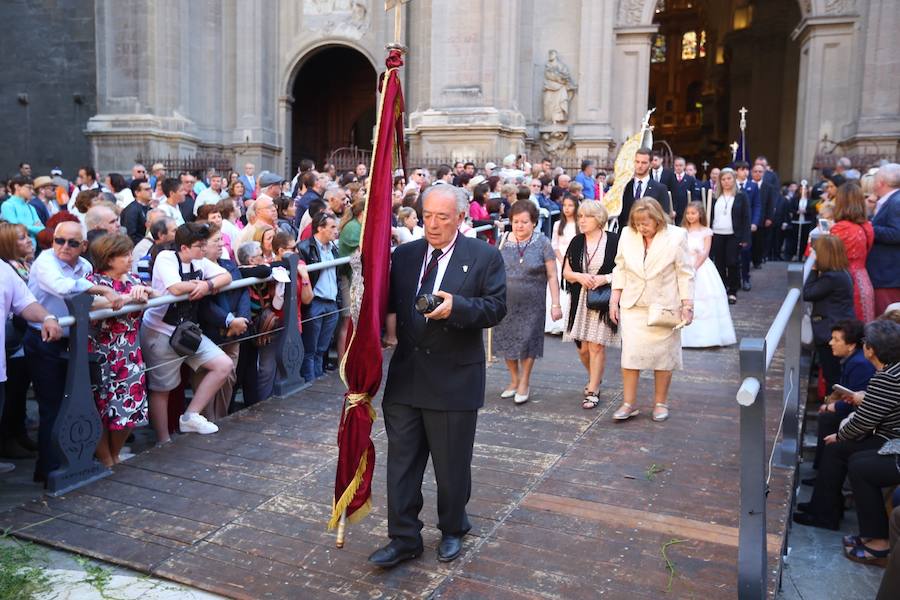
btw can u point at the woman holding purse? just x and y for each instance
(587, 268)
(652, 298)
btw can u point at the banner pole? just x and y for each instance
(341, 529)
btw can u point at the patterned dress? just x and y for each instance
(120, 392)
(521, 334)
(858, 240)
(588, 325)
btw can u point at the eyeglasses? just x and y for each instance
(71, 243)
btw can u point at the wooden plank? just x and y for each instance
(629, 517)
(203, 493)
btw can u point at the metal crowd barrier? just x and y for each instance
(77, 430)
(756, 468)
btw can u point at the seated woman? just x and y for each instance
(876, 420)
(856, 371)
(120, 390)
(830, 288)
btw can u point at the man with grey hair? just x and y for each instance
(445, 289)
(883, 262)
(842, 166)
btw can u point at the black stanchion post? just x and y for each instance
(290, 346)
(77, 429)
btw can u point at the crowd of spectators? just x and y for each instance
(127, 239)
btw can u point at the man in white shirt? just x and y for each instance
(212, 194)
(174, 194)
(177, 272)
(16, 298)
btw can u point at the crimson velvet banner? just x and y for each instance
(361, 368)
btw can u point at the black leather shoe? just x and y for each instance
(393, 554)
(449, 548)
(810, 520)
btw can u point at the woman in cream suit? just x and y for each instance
(653, 282)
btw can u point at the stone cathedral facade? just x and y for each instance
(484, 77)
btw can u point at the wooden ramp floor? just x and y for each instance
(565, 503)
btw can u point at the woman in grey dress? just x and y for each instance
(530, 268)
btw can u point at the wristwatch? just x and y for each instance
(50, 318)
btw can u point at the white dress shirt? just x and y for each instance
(52, 281)
(442, 263)
(722, 220)
(644, 181)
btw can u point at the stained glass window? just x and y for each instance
(701, 48)
(658, 48)
(689, 45)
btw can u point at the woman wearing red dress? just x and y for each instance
(855, 231)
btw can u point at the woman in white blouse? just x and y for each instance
(563, 232)
(409, 229)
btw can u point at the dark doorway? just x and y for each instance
(710, 58)
(334, 104)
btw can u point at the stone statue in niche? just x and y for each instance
(337, 17)
(555, 143)
(559, 88)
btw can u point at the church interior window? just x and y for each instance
(658, 49)
(701, 45)
(689, 45)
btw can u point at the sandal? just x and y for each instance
(663, 414)
(851, 540)
(863, 554)
(591, 400)
(625, 412)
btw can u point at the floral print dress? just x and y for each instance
(120, 393)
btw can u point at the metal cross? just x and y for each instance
(743, 112)
(705, 165)
(395, 6)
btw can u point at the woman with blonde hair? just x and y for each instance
(652, 298)
(855, 231)
(587, 268)
(265, 235)
(830, 289)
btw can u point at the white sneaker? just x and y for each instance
(7, 467)
(196, 423)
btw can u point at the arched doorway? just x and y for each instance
(334, 104)
(708, 59)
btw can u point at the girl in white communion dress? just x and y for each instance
(712, 324)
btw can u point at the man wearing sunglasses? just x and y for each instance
(55, 276)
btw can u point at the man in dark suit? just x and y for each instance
(731, 231)
(435, 383)
(661, 174)
(683, 191)
(762, 237)
(883, 262)
(751, 190)
(698, 187)
(643, 185)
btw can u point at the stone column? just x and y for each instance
(826, 65)
(470, 107)
(877, 128)
(631, 79)
(591, 129)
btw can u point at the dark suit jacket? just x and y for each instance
(134, 220)
(444, 367)
(667, 178)
(883, 263)
(767, 199)
(682, 193)
(751, 190)
(831, 293)
(654, 189)
(41, 210)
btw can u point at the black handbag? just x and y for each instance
(598, 298)
(186, 338)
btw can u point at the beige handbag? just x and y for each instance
(663, 316)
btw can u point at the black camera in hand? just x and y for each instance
(427, 303)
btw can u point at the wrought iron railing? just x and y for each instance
(77, 429)
(756, 356)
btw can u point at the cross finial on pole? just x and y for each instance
(705, 164)
(743, 112)
(734, 149)
(398, 17)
